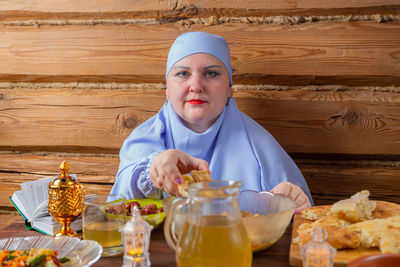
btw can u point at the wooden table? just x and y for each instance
(160, 253)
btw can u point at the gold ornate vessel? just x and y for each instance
(66, 198)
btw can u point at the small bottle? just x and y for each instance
(318, 252)
(136, 241)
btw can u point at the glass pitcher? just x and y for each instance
(213, 233)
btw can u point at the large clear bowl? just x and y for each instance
(270, 216)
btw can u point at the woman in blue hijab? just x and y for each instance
(200, 128)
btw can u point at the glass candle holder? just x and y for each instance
(136, 241)
(318, 252)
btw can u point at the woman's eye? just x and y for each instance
(182, 74)
(212, 74)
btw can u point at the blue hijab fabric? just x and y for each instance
(235, 146)
(199, 42)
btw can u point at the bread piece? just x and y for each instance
(385, 209)
(314, 213)
(200, 176)
(186, 181)
(195, 177)
(339, 236)
(381, 233)
(358, 208)
(390, 241)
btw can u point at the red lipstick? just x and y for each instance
(196, 102)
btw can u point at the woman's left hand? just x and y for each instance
(294, 192)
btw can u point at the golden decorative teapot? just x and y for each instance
(66, 198)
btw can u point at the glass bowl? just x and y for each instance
(265, 217)
(82, 253)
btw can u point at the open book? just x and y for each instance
(32, 203)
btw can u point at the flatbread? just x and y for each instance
(355, 222)
(314, 213)
(385, 210)
(358, 208)
(339, 236)
(194, 177)
(382, 233)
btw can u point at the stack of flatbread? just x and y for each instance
(193, 177)
(352, 223)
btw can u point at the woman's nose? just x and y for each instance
(196, 84)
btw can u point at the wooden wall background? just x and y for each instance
(322, 76)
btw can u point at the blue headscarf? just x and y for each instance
(199, 42)
(235, 146)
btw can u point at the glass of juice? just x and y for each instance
(102, 217)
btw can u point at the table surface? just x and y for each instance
(162, 255)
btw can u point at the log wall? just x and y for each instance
(76, 77)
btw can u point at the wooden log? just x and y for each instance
(98, 120)
(33, 9)
(74, 120)
(328, 180)
(88, 168)
(363, 53)
(326, 188)
(11, 183)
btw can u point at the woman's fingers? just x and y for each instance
(294, 192)
(187, 163)
(168, 166)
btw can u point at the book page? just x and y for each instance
(35, 192)
(42, 210)
(18, 200)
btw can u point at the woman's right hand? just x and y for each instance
(167, 168)
(294, 192)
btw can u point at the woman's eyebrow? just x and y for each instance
(188, 68)
(212, 66)
(182, 67)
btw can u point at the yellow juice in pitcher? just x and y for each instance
(105, 233)
(214, 241)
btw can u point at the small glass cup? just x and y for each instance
(102, 217)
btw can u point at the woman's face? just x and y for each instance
(198, 87)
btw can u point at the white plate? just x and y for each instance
(80, 252)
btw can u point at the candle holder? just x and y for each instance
(136, 240)
(66, 197)
(318, 252)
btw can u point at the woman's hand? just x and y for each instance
(167, 168)
(294, 192)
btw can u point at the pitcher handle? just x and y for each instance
(169, 224)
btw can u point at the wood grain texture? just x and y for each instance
(365, 51)
(11, 10)
(10, 182)
(73, 119)
(89, 168)
(8, 217)
(98, 120)
(300, 42)
(328, 182)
